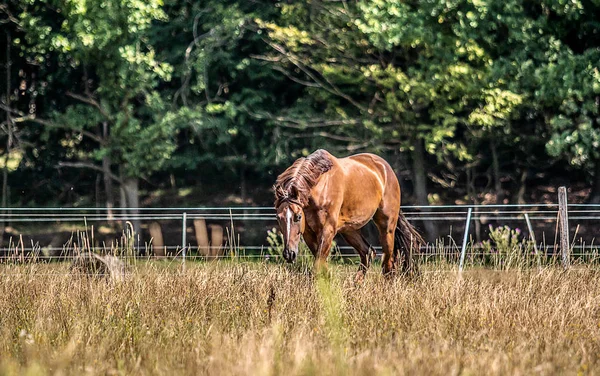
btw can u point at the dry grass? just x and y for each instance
(234, 318)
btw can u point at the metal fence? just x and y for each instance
(28, 230)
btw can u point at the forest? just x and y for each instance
(129, 103)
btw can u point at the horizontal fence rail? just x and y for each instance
(80, 220)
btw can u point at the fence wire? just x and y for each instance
(81, 220)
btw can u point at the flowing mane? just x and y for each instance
(296, 182)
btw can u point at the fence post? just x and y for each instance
(531, 233)
(563, 217)
(532, 237)
(463, 251)
(183, 234)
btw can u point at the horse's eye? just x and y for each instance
(297, 217)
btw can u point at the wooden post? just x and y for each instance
(563, 217)
(202, 236)
(158, 243)
(216, 240)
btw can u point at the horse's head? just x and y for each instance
(291, 221)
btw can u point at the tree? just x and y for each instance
(548, 53)
(403, 76)
(223, 99)
(111, 102)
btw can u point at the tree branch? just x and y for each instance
(325, 83)
(9, 17)
(289, 75)
(89, 100)
(337, 137)
(90, 166)
(326, 135)
(300, 123)
(24, 118)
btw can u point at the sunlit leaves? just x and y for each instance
(105, 43)
(290, 35)
(496, 109)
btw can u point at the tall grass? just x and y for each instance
(236, 318)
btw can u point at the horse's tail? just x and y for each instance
(407, 242)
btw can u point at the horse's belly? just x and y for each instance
(352, 225)
(354, 220)
(360, 201)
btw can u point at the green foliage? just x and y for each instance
(105, 44)
(574, 126)
(506, 249)
(242, 88)
(275, 240)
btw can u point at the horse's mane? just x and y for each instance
(296, 182)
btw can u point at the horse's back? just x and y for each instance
(364, 176)
(362, 160)
(373, 163)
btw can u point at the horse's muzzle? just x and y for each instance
(290, 255)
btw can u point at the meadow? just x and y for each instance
(269, 319)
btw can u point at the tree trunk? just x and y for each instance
(108, 183)
(132, 197)
(243, 190)
(3, 224)
(472, 195)
(420, 186)
(8, 140)
(595, 194)
(522, 187)
(97, 194)
(108, 187)
(122, 200)
(496, 171)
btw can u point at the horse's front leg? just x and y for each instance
(310, 238)
(324, 247)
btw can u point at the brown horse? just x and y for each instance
(320, 196)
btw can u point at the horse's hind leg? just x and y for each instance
(364, 249)
(386, 224)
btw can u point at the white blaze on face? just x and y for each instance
(288, 217)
